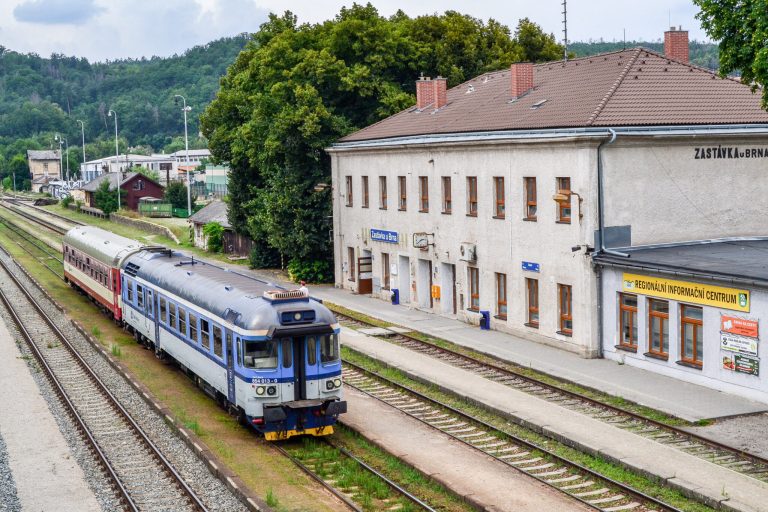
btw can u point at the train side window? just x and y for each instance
(205, 333)
(150, 302)
(172, 314)
(140, 296)
(217, 340)
(129, 290)
(311, 350)
(182, 321)
(163, 306)
(193, 327)
(287, 352)
(329, 348)
(229, 343)
(260, 355)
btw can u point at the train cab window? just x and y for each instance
(287, 352)
(139, 295)
(182, 321)
(260, 355)
(193, 327)
(217, 340)
(205, 333)
(163, 307)
(311, 350)
(329, 348)
(172, 314)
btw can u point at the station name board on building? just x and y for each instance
(684, 291)
(728, 152)
(379, 235)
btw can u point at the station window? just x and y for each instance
(447, 202)
(182, 321)
(193, 327)
(329, 348)
(402, 192)
(311, 350)
(628, 320)
(564, 204)
(260, 355)
(205, 333)
(658, 327)
(498, 194)
(474, 289)
(501, 296)
(163, 307)
(472, 196)
(383, 192)
(140, 296)
(287, 350)
(564, 292)
(172, 315)
(532, 298)
(348, 180)
(365, 191)
(530, 198)
(424, 194)
(385, 271)
(692, 326)
(217, 340)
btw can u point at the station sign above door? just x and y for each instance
(379, 235)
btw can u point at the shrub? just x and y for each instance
(7, 183)
(66, 201)
(262, 256)
(27, 185)
(214, 232)
(318, 271)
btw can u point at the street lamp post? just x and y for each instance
(57, 138)
(186, 109)
(117, 157)
(82, 130)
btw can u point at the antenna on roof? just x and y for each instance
(625, 38)
(565, 30)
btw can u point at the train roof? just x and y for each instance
(237, 298)
(101, 244)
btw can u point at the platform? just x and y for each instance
(705, 481)
(44, 471)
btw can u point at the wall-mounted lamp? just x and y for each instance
(563, 196)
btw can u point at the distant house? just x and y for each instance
(44, 163)
(134, 184)
(164, 165)
(196, 156)
(216, 211)
(40, 184)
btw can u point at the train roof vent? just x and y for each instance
(132, 269)
(278, 295)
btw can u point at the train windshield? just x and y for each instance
(260, 355)
(329, 348)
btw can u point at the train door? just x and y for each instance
(231, 353)
(293, 355)
(365, 274)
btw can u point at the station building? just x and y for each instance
(508, 196)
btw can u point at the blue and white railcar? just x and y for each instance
(272, 355)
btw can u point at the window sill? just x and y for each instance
(446, 212)
(364, 207)
(423, 211)
(402, 209)
(471, 215)
(562, 221)
(349, 206)
(563, 333)
(528, 324)
(529, 219)
(500, 317)
(660, 357)
(382, 207)
(695, 366)
(474, 310)
(500, 217)
(626, 348)
(351, 279)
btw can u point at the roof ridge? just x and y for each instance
(691, 65)
(630, 62)
(585, 57)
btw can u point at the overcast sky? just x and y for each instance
(110, 29)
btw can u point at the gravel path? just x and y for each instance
(9, 502)
(212, 491)
(743, 432)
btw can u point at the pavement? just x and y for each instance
(483, 481)
(714, 485)
(46, 475)
(672, 396)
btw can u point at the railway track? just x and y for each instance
(504, 373)
(572, 479)
(17, 207)
(143, 477)
(34, 247)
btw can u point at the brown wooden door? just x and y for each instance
(365, 275)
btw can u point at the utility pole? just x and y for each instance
(57, 138)
(186, 109)
(82, 130)
(117, 159)
(565, 30)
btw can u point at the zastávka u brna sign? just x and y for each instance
(685, 291)
(380, 235)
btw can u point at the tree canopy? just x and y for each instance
(741, 27)
(295, 89)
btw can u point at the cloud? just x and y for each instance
(56, 12)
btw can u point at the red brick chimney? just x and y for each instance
(425, 92)
(676, 44)
(440, 92)
(522, 78)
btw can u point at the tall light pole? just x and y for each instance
(117, 157)
(66, 150)
(186, 109)
(82, 130)
(57, 138)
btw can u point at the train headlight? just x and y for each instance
(337, 383)
(260, 390)
(329, 385)
(272, 390)
(297, 316)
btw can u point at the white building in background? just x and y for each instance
(162, 164)
(486, 198)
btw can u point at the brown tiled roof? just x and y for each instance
(636, 87)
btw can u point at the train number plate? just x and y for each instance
(263, 380)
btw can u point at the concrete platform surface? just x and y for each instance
(45, 472)
(482, 480)
(672, 396)
(708, 482)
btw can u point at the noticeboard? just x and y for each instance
(739, 326)
(734, 343)
(741, 363)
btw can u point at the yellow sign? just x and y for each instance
(684, 291)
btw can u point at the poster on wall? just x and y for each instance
(741, 363)
(740, 344)
(739, 326)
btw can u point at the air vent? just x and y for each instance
(538, 104)
(132, 269)
(278, 295)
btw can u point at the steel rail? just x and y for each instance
(755, 459)
(20, 234)
(53, 227)
(196, 502)
(47, 212)
(515, 439)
